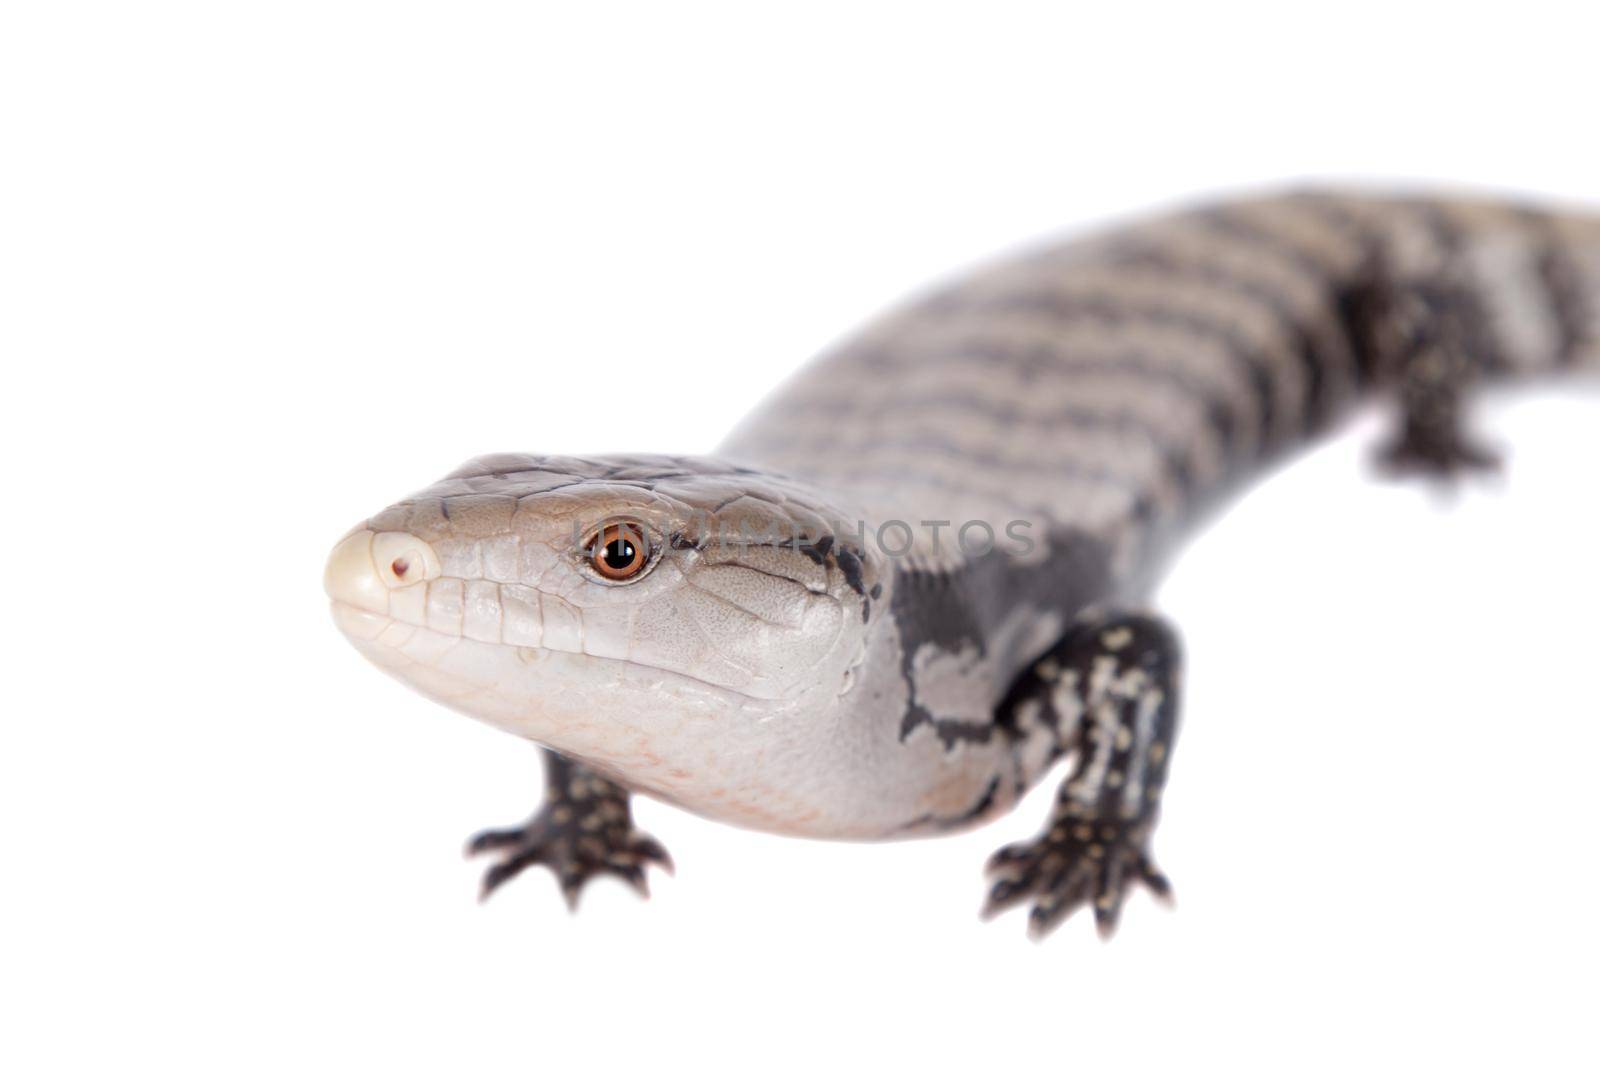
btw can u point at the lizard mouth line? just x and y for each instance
(369, 629)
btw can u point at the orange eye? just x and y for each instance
(619, 552)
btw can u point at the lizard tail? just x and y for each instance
(1520, 286)
(1537, 274)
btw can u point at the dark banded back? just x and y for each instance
(1118, 385)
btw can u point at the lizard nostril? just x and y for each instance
(402, 560)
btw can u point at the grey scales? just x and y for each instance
(916, 578)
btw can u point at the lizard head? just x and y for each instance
(648, 614)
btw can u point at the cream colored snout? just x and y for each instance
(366, 567)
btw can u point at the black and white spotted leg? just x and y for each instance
(1110, 687)
(585, 828)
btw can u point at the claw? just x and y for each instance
(576, 850)
(1010, 856)
(571, 880)
(1109, 893)
(505, 870)
(1107, 911)
(1154, 880)
(1447, 459)
(1075, 864)
(584, 829)
(633, 874)
(649, 849)
(1058, 905)
(1007, 893)
(490, 840)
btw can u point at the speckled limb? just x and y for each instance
(1437, 336)
(585, 828)
(1109, 689)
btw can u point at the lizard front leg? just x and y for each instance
(584, 828)
(1109, 688)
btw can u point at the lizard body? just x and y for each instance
(912, 581)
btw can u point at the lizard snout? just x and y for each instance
(364, 567)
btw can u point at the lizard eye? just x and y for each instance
(619, 552)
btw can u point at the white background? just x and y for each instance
(266, 267)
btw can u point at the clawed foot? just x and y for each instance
(1077, 861)
(1436, 457)
(577, 837)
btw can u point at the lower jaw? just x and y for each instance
(683, 741)
(485, 681)
(639, 723)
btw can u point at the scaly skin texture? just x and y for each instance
(820, 643)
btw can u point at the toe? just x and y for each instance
(1010, 856)
(1057, 905)
(631, 873)
(1154, 880)
(507, 869)
(493, 840)
(648, 849)
(1007, 893)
